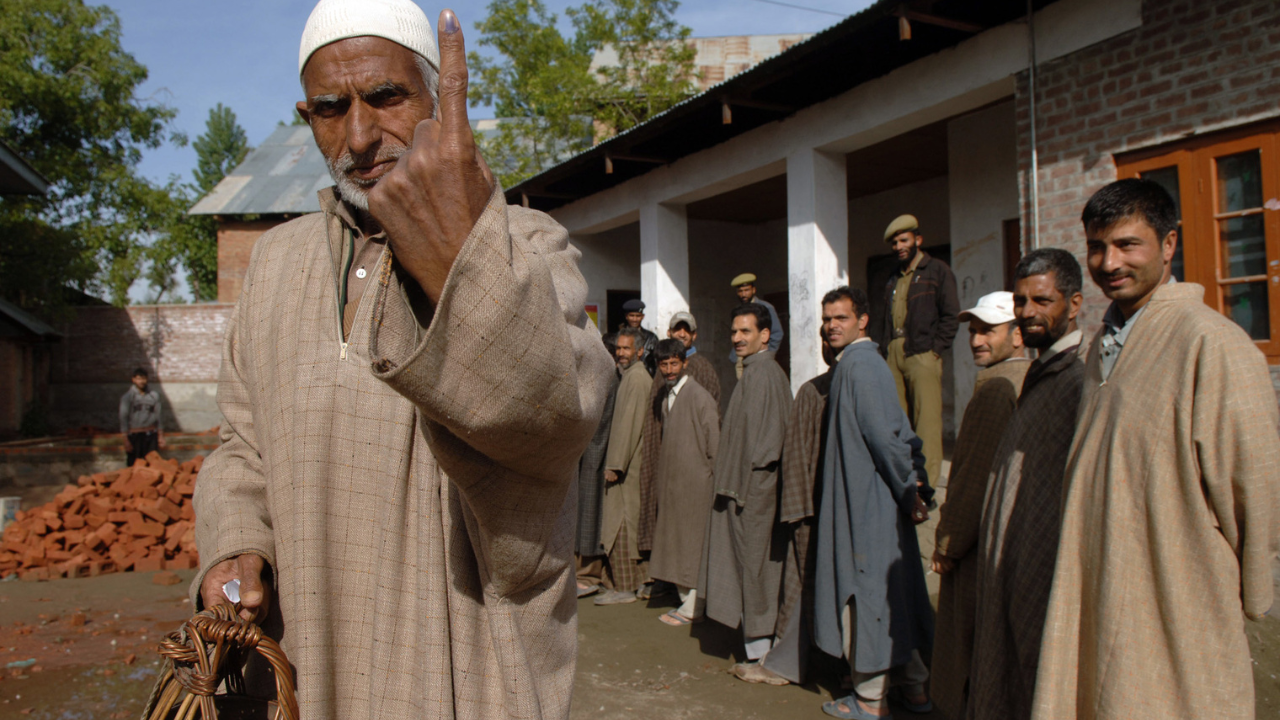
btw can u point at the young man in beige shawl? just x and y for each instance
(1169, 522)
(1018, 530)
(996, 344)
(395, 470)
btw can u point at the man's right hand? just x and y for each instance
(254, 594)
(942, 564)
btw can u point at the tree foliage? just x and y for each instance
(543, 87)
(191, 241)
(68, 105)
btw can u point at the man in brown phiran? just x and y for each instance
(686, 465)
(683, 327)
(1169, 524)
(1018, 532)
(742, 568)
(620, 517)
(400, 439)
(996, 343)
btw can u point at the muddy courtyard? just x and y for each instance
(93, 645)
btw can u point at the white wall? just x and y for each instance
(610, 261)
(982, 156)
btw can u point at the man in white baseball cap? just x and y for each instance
(996, 343)
(408, 383)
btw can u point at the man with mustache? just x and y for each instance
(407, 383)
(690, 436)
(996, 343)
(742, 568)
(627, 569)
(684, 328)
(914, 326)
(1018, 534)
(1169, 519)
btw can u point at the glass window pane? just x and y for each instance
(1167, 178)
(1244, 246)
(1240, 181)
(1246, 303)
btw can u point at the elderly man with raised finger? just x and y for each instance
(408, 381)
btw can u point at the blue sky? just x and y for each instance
(244, 54)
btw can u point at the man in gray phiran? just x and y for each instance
(870, 603)
(590, 551)
(401, 436)
(742, 567)
(1018, 535)
(996, 343)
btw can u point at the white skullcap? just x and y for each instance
(400, 21)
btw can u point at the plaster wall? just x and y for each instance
(610, 261)
(983, 186)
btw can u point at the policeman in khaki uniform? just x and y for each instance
(914, 325)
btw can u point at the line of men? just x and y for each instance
(1110, 515)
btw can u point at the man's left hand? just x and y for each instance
(429, 202)
(161, 442)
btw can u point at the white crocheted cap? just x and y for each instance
(400, 21)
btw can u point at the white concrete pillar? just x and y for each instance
(817, 251)
(664, 264)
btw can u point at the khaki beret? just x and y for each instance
(743, 279)
(900, 224)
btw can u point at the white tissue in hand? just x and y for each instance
(232, 591)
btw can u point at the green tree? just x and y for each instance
(655, 67)
(542, 85)
(191, 241)
(68, 105)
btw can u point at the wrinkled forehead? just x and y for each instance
(362, 60)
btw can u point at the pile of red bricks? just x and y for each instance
(139, 518)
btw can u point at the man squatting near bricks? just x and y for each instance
(404, 503)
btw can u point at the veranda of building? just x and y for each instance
(792, 169)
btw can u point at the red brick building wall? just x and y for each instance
(176, 343)
(1192, 68)
(235, 245)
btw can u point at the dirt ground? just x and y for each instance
(629, 663)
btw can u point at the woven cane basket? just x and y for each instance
(208, 650)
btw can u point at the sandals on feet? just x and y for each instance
(675, 619)
(847, 708)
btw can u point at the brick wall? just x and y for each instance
(176, 343)
(235, 245)
(1193, 67)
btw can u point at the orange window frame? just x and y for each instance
(1196, 163)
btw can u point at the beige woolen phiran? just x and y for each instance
(1169, 525)
(413, 496)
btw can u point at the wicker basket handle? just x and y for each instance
(208, 649)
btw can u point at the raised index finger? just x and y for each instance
(453, 78)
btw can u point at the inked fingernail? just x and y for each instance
(450, 22)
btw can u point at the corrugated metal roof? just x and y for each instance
(17, 177)
(27, 320)
(280, 176)
(859, 48)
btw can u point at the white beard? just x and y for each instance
(351, 189)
